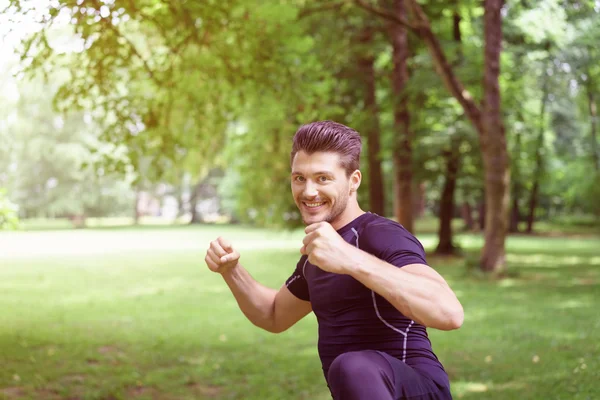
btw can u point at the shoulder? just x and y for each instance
(379, 234)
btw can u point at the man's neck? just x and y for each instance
(351, 212)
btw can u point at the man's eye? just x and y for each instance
(299, 178)
(323, 179)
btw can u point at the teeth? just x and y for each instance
(314, 204)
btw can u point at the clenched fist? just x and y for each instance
(326, 249)
(221, 256)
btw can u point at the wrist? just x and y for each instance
(356, 262)
(229, 272)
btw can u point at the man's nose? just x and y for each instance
(310, 190)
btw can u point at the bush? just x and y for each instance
(9, 213)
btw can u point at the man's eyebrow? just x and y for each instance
(328, 173)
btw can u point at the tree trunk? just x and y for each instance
(366, 65)
(539, 160)
(78, 221)
(593, 110)
(456, 33)
(515, 215)
(180, 202)
(481, 215)
(419, 200)
(136, 208)
(196, 217)
(495, 154)
(446, 245)
(532, 206)
(179, 191)
(467, 215)
(402, 144)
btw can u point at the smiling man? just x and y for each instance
(364, 276)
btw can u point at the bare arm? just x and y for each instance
(272, 310)
(416, 290)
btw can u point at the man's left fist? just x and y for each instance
(326, 248)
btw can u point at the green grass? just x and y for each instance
(135, 314)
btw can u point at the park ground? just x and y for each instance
(133, 313)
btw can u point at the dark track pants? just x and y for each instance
(374, 375)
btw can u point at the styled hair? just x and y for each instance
(329, 136)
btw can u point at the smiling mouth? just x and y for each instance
(313, 205)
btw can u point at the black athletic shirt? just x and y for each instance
(352, 317)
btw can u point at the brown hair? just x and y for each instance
(329, 136)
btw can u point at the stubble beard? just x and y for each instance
(338, 209)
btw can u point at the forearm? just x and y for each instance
(421, 298)
(255, 300)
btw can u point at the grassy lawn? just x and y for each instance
(135, 314)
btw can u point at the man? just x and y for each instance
(364, 276)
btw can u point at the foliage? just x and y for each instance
(50, 160)
(9, 212)
(183, 88)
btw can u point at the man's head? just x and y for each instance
(325, 177)
(329, 136)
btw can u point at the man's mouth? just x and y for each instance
(313, 205)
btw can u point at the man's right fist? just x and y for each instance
(220, 256)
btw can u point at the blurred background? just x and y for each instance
(132, 133)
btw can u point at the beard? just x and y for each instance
(337, 210)
(339, 206)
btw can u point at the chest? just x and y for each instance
(334, 293)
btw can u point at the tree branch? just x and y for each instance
(135, 52)
(385, 15)
(324, 7)
(422, 28)
(443, 67)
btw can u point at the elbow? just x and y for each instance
(266, 325)
(455, 319)
(273, 328)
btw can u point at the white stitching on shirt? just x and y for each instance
(405, 334)
(384, 321)
(405, 338)
(356, 234)
(303, 267)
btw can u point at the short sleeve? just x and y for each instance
(392, 243)
(297, 283)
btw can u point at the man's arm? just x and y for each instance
(416, 290)
(274, 311)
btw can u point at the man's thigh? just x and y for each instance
(411, 384)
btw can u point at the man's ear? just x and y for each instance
(355, 180)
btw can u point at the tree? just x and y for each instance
(366, 63)
(485, 117)
(402, 156)
(166, 77)
(51, 169)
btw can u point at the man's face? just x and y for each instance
(320, 186)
